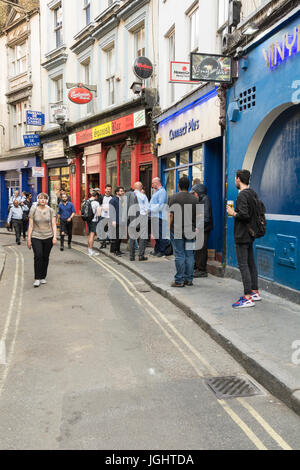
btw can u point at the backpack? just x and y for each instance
(258, 223)
(87, 213)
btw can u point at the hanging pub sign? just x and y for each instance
(211, 68)
(143, 68)
(80, 95)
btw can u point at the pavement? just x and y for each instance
(2, 261)
(265, 340)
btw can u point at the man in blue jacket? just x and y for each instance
(66, 211)
(158, 212)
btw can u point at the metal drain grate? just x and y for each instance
(233, 387)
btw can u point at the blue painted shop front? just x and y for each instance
(264, 136)
(14, 176)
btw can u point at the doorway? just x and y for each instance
(146, 179)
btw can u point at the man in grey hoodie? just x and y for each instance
(201, 256)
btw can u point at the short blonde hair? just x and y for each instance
(44, 196)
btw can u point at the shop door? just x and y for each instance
(146, 179)
(93, 181)
(59, 178)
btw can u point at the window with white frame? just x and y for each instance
(86, 78)
(58, 25)
(194, 29)
(87, 9)
(18, 123)
(18, 59)
(58, 89)
(223, 13)
(139, 42)
(171, 44)
(110, 74)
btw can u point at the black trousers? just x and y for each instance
(17, 226)
(247, 266)
(201, 256)
(66, 228)
(142, 233)
(25, 226)
(118, 232)
(42, 250)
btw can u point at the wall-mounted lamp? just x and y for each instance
(131, 143)
(250, 29)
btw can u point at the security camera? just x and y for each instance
(60, 118)
(239, 52)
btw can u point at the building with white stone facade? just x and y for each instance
(20, 91)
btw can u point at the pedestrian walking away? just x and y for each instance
(158, 212)
(182, 220)
(26, 206)
(201, 256)
(66, 212)
(15, 219)
(41, 237)
(93, 206)
(243, 215)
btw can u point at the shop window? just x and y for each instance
(170, 183)
(125, 168)
(184, 158)
(171, 162)
(111, 167)
(197, 155)
(59, 178)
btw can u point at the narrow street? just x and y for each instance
(97, 360)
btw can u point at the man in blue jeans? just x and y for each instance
(183, 214)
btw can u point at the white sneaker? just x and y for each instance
(93, 253)
(43, 281)
(256, 296)
(36, 283)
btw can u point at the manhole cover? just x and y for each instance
(233, 387)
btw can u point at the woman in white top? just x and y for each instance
(41, 237)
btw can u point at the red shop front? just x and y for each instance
(111, 159)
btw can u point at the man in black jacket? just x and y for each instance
(243, 214)
(201, 256)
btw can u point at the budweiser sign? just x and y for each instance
(80, 95)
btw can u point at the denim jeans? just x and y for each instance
(184, 260)
(159, 234)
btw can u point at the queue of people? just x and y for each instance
(123, 215)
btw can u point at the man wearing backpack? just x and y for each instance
(244, 220)
(89, 215)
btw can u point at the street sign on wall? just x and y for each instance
(54, 149)
(38, 172)
(143, 68)
(211, 68)
(80, 95)
(180, 72)
(35, 118)
(32, 140)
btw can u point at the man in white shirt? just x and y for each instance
(144, 211)
(102, 228)
(15, 197)
(15, 218)
(92, 225)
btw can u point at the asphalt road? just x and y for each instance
(96, 360)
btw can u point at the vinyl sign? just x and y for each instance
(211, 68)
(80, 96)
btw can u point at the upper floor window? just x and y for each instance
(87, 8)
(58, 82)
(223, 12)
(139, 42)
(171, 39)
(18, 59)
(18, 122)
(86, 78)
(194, 30)
(58, 23)
(110, 75)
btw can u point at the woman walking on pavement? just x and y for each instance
(41, 237)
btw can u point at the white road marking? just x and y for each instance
(2, 353)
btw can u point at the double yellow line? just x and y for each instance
(165, 325)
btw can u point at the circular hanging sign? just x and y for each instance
(80, 95)
(143, 68)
